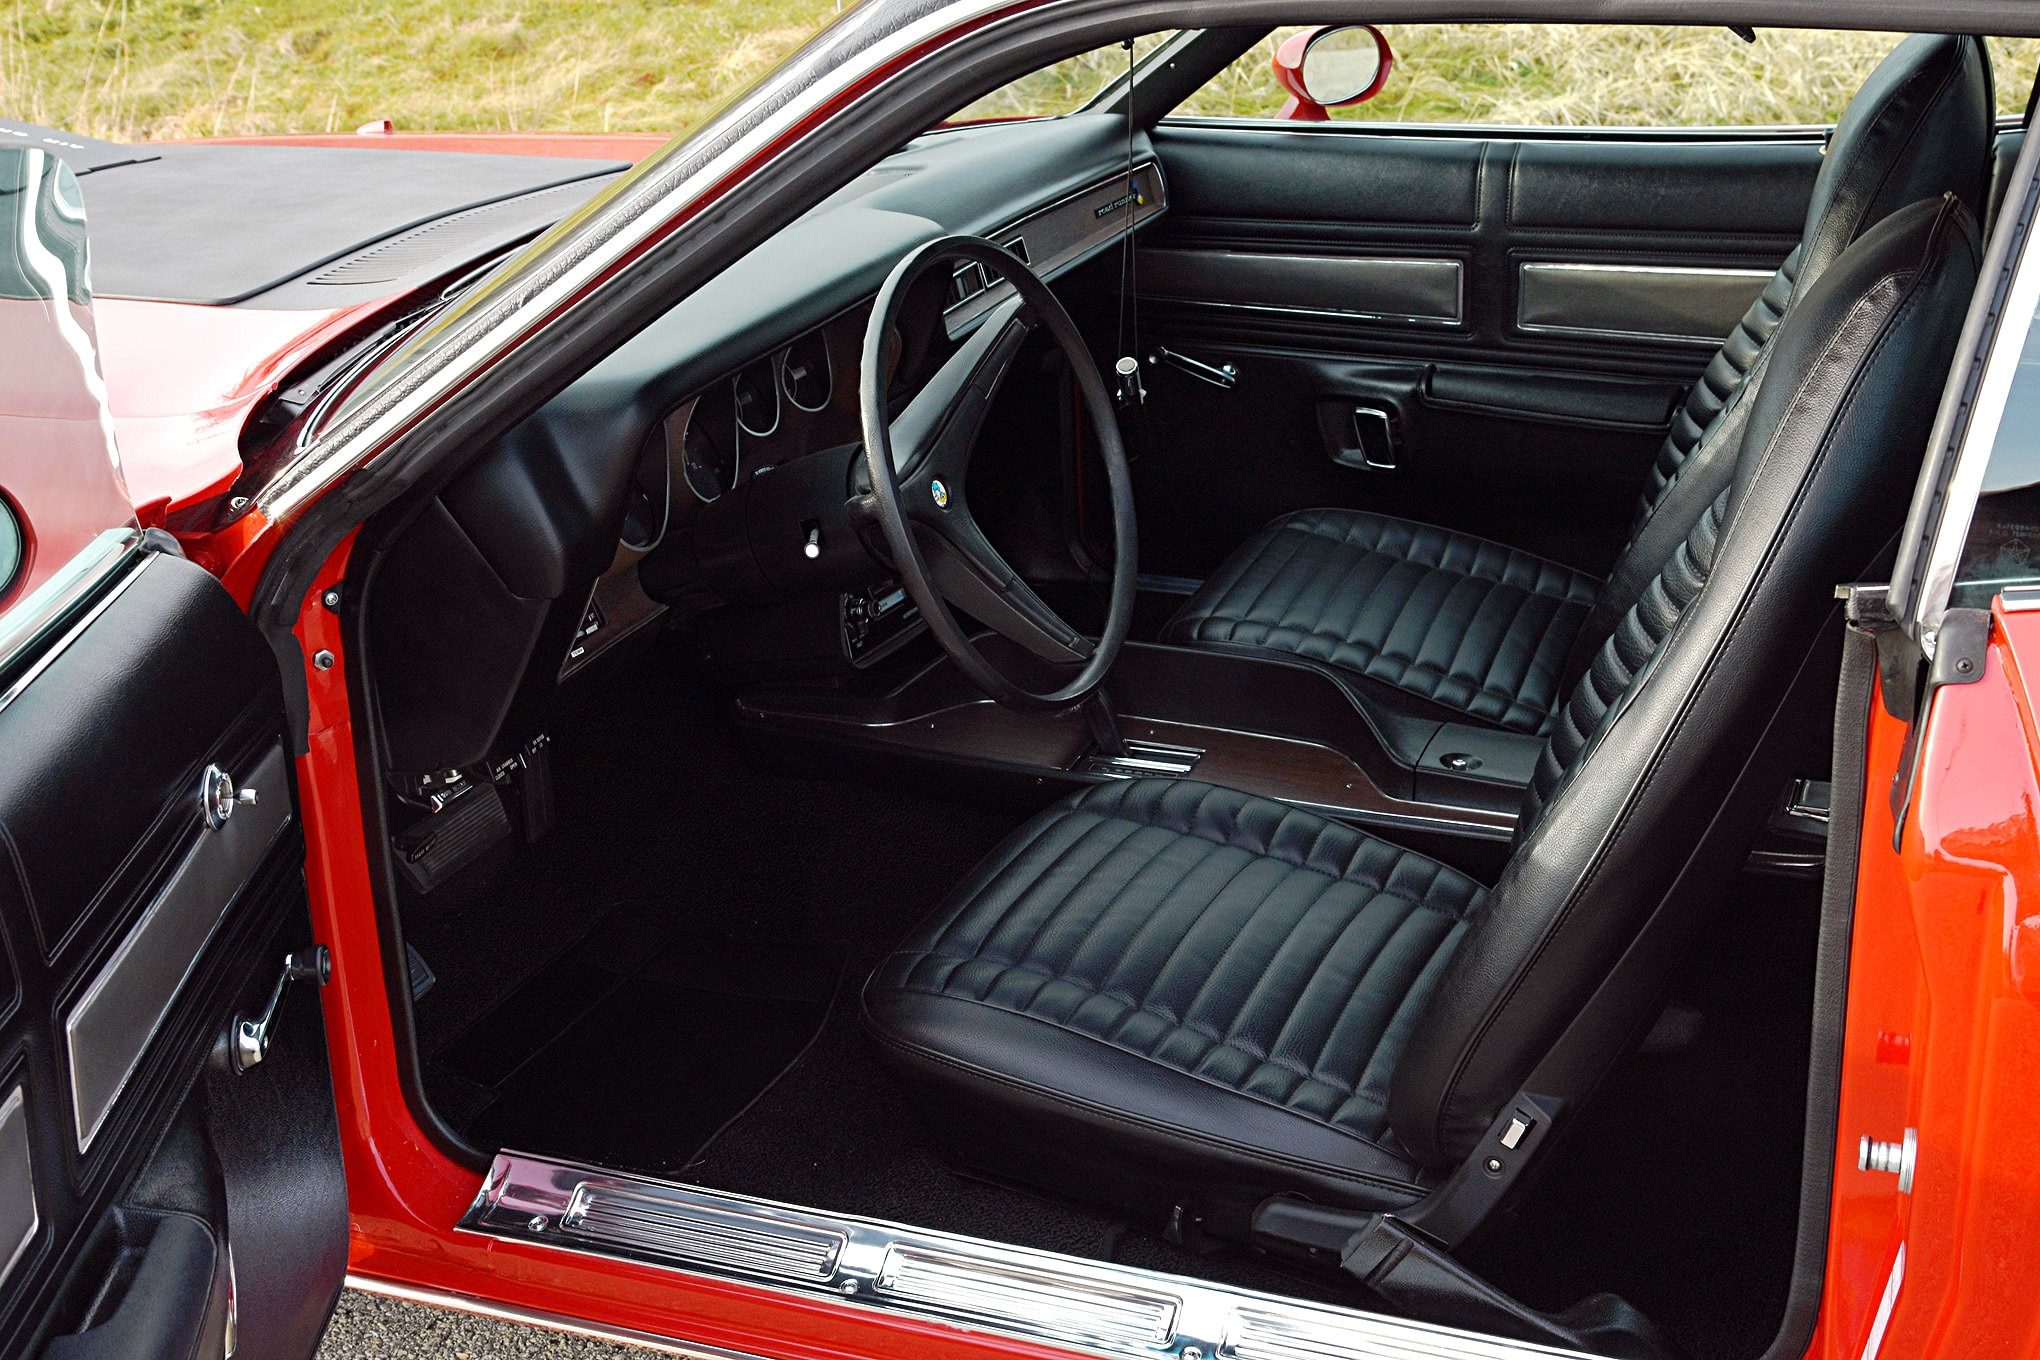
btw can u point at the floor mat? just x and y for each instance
(635, 1046)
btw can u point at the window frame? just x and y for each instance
(1971, 412)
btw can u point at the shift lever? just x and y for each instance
(1104, 724)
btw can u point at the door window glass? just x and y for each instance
(2003, 547)
(1603, 75)
(1061, 88)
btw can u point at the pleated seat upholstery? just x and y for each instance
(1472, 626)
(1472, 630)
(1224, 977)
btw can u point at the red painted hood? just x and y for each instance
(182, 379)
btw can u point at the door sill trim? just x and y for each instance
(1107, 1309)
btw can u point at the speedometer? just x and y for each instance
(707, 463)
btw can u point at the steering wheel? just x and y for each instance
(917, 465)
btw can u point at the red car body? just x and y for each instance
(1942, 1032)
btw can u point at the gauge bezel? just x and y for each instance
(664, 455)
(821, 338)
(772, 363)
(676, 425)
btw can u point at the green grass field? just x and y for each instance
(143, 69)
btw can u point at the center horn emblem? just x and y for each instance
(940, 492)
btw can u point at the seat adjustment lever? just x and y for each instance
(252, 1035)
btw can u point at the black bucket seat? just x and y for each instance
(1189, 1001)
(1434, 623)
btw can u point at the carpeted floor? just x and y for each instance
(667, 984)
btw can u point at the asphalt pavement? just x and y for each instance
(370, 1327)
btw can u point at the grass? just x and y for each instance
(135, 70)
(1546, 75)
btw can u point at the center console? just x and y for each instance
(1279, 728)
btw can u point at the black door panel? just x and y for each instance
(1519, 455)
(135, 930)
(1483, 334)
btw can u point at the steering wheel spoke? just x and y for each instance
(934, 437)
(916, 464)
(970, 574)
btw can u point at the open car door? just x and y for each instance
(170, 1173)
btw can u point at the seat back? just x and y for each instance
(1655, 733)
(1921, 126)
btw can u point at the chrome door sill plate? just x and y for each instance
(1143, 760)
(1097, 1306)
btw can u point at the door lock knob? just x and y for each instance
(217, 797)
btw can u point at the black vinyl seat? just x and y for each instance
(1222, 974)
(1454, 626)
(1185, 1000)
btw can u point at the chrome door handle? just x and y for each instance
(252, 1036)
(1218, 375)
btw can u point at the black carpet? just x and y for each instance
(1679, 1188)
(632, 1048)
(621, 989)
(668, 982)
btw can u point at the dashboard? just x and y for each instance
(705, 464)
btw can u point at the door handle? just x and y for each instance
(1218, 375)
(252, 1035)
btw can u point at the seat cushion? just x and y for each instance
(1180, 992)
(1480, 630)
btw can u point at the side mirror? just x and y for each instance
(1330, 68)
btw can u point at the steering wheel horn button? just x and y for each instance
(940, 492)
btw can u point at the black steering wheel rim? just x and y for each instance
(917, 498)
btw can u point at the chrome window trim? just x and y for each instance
(1711, 134)
(1968, 419)
(17, 1179)
(986, 1287)
(1531, 270)
(45, 620)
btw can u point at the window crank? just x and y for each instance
(251, 1036)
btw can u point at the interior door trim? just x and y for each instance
(109, 1028)
(20, 1216)
(1424, 290)
(28, 624)
(1634, 301)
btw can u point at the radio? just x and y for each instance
(876, 619)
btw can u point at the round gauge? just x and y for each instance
(804, 371)
(708, 464)
(648, 500)
(756, 390)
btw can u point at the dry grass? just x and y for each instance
(141, 69)
(1549, 75)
